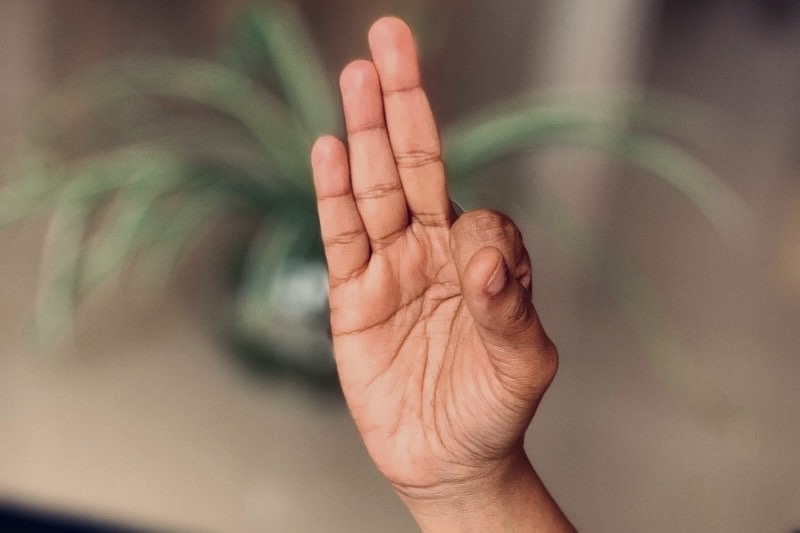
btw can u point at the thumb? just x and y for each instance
(506, 319)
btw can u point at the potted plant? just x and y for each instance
(178, 142)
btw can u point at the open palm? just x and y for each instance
(440, 352)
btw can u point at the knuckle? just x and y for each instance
(381, 242)
(342, 238)
(379, 190)
(339, 279)
(417, 159)
(439, 220)
(490, 225)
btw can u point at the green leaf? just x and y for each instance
(135, 224)
(127, 169)
(292, 54)
(722, 206)
(179, 228)
(75, 207)
(480, 141)
(486, 137)
(207, 139)
(23, 198)
(210, 85)
(654, 111)
(61, 270)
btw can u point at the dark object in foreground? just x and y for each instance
(23, 519)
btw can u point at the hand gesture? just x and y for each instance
(440, 352)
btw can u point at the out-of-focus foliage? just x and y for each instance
(167, 145)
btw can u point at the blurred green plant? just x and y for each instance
(136, 158)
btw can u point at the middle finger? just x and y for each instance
(376, 183)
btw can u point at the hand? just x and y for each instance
(440, 352)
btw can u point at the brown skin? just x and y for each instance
(442, 358)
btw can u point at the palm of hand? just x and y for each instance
(428, 395)
(436, 392)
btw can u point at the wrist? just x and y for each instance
(508, 496)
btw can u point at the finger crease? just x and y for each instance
(335, 281)
(378, 323)
(380, 243)
(434, 220)
(366, 128)
(402, 90)
(343, 237)
(335, 196)
(378, 191)
(411, 160)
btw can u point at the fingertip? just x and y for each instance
(361, 96)
(395, 54)
(330, 168)
(389, 30)
(358, 75)
(325, 149)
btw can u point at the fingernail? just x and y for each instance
(498, 280)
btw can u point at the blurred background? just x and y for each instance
(676, 406)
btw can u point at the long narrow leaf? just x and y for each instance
(61, 270)
(133, 227)
(471, 146)
(721, 205)
(26, 197)
(655, 111)
(65, 258)
(210, 85)
(84, 179)
(292, 54)
(178, 230)
(485, 138)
